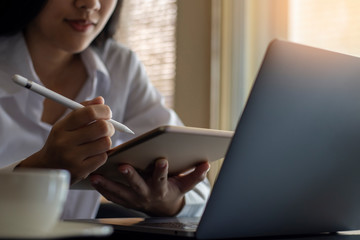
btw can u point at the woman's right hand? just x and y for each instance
(78, 143)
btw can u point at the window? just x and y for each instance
(148, 28)
(329, 24)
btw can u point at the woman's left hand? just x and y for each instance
(157, 195)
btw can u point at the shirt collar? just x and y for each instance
(97, 71)
(15, 59)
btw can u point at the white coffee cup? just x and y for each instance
(31, 201)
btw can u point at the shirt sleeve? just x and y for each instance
(10, 168)
(195, 200)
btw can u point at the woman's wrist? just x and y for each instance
(33, 161)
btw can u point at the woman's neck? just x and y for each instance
(54, 66)
(49, 62)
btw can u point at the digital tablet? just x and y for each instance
(183, 147)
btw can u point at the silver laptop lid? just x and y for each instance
(293, 166)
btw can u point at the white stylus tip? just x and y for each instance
(128, 130)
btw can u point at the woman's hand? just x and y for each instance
(157, 195)
(78, 143)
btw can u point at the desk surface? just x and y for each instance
(145, 236)
(137, 236)
(122, 234)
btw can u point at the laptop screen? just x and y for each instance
(293, 164)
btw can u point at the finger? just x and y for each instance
(97, 100)
(94, 162)
(112, 191)
(82, 136)
(134, 180)
(159, 178)
(86, 115)
(92, 132)
(188, 182)
(87, 166)
(102, 145)
(70, 147)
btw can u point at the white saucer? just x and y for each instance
(67, 229)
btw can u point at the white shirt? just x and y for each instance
(115, 73)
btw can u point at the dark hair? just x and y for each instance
(16, 14)
(110, 27)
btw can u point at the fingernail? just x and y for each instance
(162, 163)
(94, 181)
(124, 171)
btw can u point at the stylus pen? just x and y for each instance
(61, 99)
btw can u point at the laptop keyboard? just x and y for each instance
(170, 225)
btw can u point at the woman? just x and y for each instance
(66, 45)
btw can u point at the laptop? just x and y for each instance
(293, 164)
